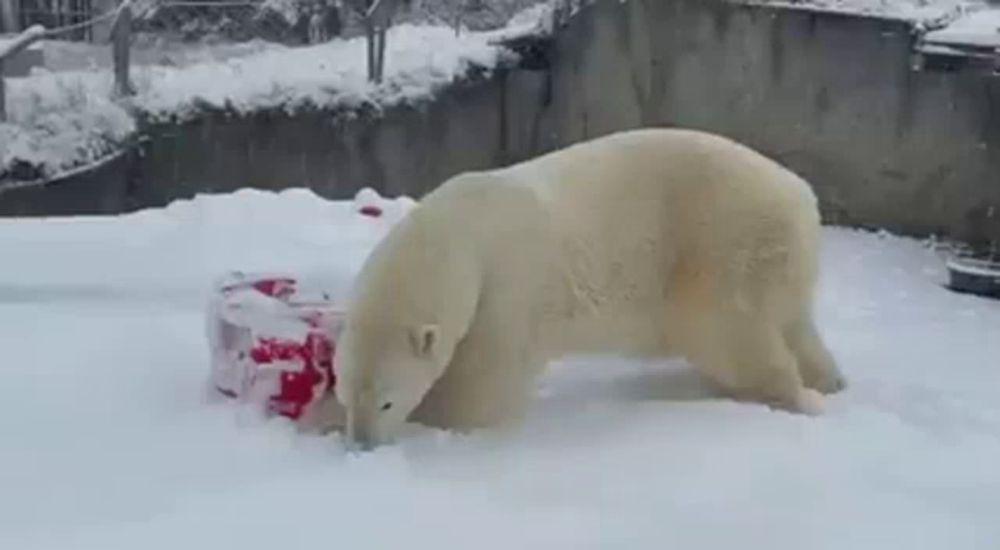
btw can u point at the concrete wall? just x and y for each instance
(831, 96)
(407, 149)
(100, 189)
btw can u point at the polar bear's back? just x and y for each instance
(634, 209)
(620, 188)
(674, 167)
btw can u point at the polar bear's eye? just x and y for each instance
(387, 405)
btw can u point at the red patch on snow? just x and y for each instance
(371, 211)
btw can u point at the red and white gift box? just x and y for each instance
(271, 344)
(271, 341)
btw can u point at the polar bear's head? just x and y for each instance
(383, 372)
(412, 302)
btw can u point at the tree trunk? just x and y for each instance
(3, 96)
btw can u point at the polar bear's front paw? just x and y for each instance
(810, 402)
(827, 381)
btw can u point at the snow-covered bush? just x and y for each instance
(57, 121)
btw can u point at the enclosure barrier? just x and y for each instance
(376, 17)
(120, 39)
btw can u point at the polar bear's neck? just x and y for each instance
(417, 246)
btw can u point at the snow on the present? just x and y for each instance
(110, 440)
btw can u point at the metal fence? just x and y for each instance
(286, 21)
(290, 22)
(154, 30)
(57, 13)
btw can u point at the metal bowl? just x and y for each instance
(974, 276)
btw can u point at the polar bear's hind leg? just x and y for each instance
(816, 364)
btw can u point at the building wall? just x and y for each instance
(834, 97)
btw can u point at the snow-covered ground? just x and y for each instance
(109, 441)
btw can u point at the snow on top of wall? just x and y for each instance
(917, 11)
(61, 120)
(538, 19)
(981, 29)
(419, 61)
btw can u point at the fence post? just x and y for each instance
(376, 16)
(380, 56)
(379, 15)
(121, 39)
(370, 48)
(3, 95)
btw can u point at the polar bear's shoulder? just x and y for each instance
(483, 190)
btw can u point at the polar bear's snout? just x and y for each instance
(360, 434)
(384, 371)
(364, 429)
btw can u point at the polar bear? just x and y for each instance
(650, 242)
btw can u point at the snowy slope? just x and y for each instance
(109, 442)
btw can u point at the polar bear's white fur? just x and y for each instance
(651, 242)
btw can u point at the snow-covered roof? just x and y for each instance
(916, 11)
(979, 29)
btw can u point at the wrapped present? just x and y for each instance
(270, 343)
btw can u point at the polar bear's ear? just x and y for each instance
(424, 339)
